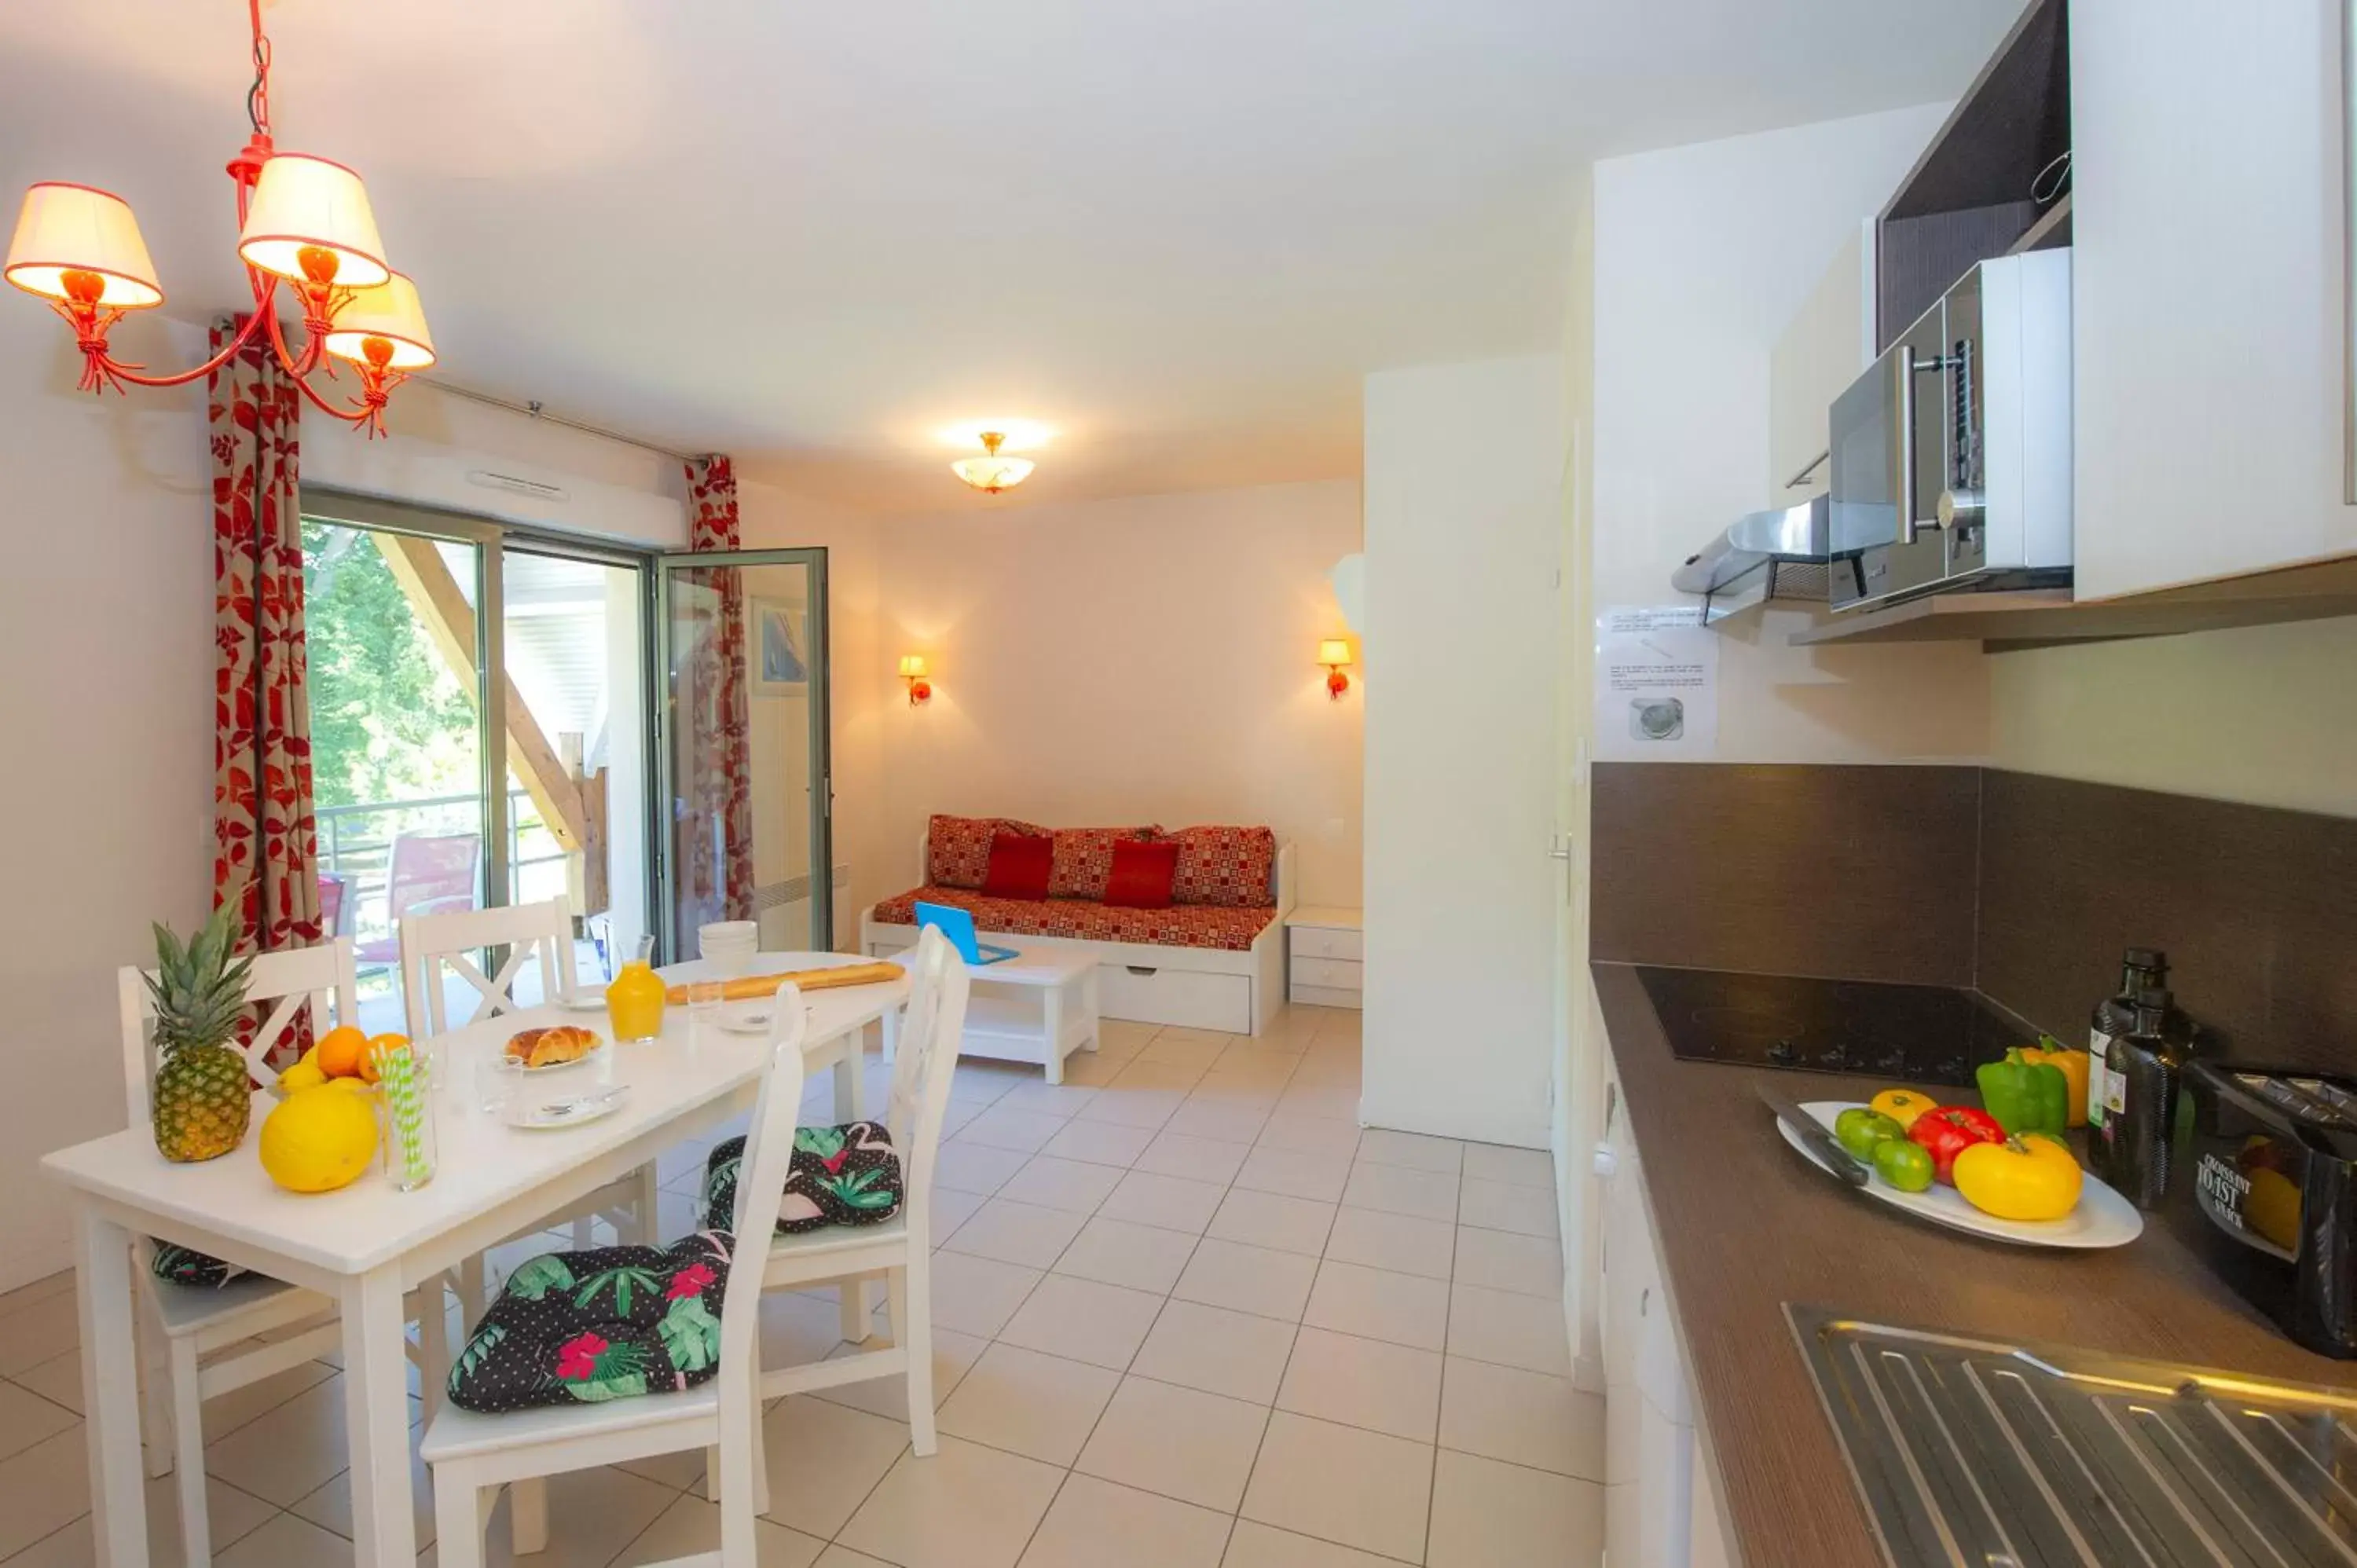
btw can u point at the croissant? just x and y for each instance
(547, 1048)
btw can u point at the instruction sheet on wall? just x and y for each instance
(1657, 684)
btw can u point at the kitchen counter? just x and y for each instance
(1746, 1225)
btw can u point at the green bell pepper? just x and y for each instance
(2026, 1096)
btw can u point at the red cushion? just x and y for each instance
(957, 849)
(1021, 864)
(1084, 857)
(1141, 874)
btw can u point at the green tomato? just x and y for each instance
(1861, 1131)
(1905, 1165)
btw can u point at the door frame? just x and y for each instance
(661, 709)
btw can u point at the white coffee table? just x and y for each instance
(1040, 1007)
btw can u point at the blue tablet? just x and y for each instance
(957, 925)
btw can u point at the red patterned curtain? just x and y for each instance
(266, 857)
(716, 830)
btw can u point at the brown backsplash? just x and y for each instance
(2025, 886)
(1855, 873)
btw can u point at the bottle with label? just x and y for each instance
(2143, 1072)
(2141, 969)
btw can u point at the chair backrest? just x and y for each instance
(760, 1194)
(319, 979)
(528, 931)
(925, 1061)
(432, 874)
(331, 904)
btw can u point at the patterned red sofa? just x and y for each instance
(1214, 959)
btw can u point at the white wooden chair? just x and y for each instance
(429, 943)
(901, 1248)
(472, 1454)
(196, 1324)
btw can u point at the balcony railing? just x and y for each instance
(356, 845)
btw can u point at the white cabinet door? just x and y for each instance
(1826, 346)
(1649, 1429)
(2206, 219)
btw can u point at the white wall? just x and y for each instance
(1124, 662)
(1464, 473)
(1702, 254)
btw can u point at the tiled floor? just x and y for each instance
(1189, 1316)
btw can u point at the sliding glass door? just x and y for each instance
(745, 788)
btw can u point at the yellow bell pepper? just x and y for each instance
(2075, 1068)
(2032, 1177)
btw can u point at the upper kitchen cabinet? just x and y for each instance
(2210, 339)
(1824, 349)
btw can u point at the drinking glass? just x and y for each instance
(704, 1000)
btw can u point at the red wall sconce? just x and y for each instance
(912, 670)
(1334, 653)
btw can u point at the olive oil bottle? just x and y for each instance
(2143, 1074)
(2141, 970)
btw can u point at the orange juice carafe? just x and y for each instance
(634, 1001)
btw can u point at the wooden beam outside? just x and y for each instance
(449, 621)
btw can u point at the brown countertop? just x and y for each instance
(1747, 1225)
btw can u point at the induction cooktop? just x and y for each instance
(1907, 1034)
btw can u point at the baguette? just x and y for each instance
(748, 987)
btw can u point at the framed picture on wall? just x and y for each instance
(781, 629)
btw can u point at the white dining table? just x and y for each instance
(367, 1245)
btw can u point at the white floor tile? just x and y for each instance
(691, 1525)
(1021, 1233)
(1177, 1442)
(1185, 1048)
(1257, 1545)
(977, 1295)
(1399, 1242)
(822, 1460)
(1522, 1417)
(966, 1507)
(1050, 1098)
(844, 1557)
(36, 1291)
(1243, 1278)
(1216, 1350)
(1196, 1159)
(1095, 1524)
(1295, 1175)
(1512, 1331)
(1100, 1324)
(1129, 1105)
(1266, 1219)
(1053, 1183)
(975, 1167)
(1173, 1202)
(1341, 1484)
(1119, 1252)
(1401, 1190)
(1100, 1143)
(1518, 1168)
(59, 1380)
(1225, 1121)
(1146, 1073)
(951, 1209)
(1363, 1383)
(1310, 1134)
(1385, 1148)
(1041, 1406)
(1376, 1303)
(26, 1419)
(1502, 1206)
(231, 1514)
(887, 1396)
(291, 1451)
(1310, 1097)
(37, 1332)
(1024, 1131)
(1500, 1259)
(43, 1488)
(286, 1542)
(1485, 1513)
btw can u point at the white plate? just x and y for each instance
(541, 1111)
(508, 1064)
(2103, 1219)
(583, 1002)
(756, 1022)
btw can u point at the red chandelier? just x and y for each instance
(303, 223)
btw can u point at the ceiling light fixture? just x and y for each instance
(992, 473)
(302, 222)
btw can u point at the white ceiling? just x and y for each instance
(1174, 231)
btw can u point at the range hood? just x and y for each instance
(1781, 554)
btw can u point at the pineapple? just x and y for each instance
(201, 1099)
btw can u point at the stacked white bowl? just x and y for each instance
(728, 946)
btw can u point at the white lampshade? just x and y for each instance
(992, 474)
(303, 203)
(388, 311)
(66, 228)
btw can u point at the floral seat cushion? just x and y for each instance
(839, 1175)
(603, 1324)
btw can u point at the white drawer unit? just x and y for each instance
(1323, 952)
(1190, 998)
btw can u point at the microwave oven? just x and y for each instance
(1950, 457)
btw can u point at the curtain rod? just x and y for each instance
(533, 411)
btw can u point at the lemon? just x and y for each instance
(316, 1140)
(303, 1075)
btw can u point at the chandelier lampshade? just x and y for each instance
(388, 313)
(992, 473)
(76, 243)
(310, 222)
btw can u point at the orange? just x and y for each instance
(340, 1050)
(387, 1042)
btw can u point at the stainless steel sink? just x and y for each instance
(1973, 1452)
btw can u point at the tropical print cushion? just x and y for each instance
(604, 1323)
(186, 1266)
(839, 1175)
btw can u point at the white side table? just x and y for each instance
(1038, 1007)
(1323, 957)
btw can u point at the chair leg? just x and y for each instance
(473, 1302)
(457, 1522)
(433, 1344)
(856, 1324)
(528, 1516)
(760, 1472)
(649, 1206)
(712, 1473)
(189, 1455)
(912, 1327)
(154, 1391)
(584, 1234)
(745, 1488)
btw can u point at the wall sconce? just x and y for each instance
(1334, 653)
(912, 670)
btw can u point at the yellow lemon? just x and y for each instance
(317, 1140)
(304, 1074)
